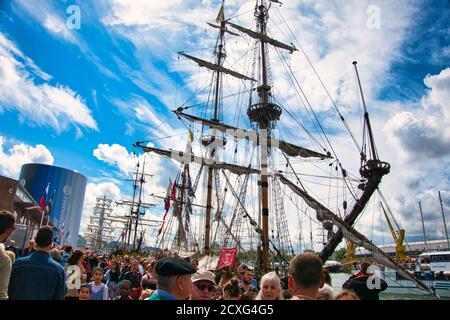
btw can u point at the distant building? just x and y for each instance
(64, 189)
(412, 248)
(16, 199)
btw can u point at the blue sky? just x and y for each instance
(85, 95)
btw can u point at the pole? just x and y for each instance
(423, 226)
(443, 218)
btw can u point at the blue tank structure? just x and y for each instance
(64, 191)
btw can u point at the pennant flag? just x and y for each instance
(167, 198)
(173, 194)
(220, 16)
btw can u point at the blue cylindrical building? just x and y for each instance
(65, 190)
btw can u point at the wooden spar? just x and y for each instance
(264, 99)
(206, 248)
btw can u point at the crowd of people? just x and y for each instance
(45, 272)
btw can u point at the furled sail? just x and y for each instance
(183, 157)
(288, 148)
(215, 67)
(324, 214)
(223, 29)
(263, 37)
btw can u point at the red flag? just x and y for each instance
(173, 195)
(227, 258)
(42, 203)
(167, 199)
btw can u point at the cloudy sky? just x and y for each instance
(77, 93)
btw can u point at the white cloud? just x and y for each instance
(425, 133)
(116, 155)
(56, 25)
(20, 154)
(39, 103)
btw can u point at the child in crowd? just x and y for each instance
(99, 291)
(124, 290)
(84, 293)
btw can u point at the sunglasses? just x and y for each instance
(202, 287)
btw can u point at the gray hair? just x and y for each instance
(166, 282)
(271, 277)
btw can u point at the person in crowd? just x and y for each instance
(112, 277)
(287, 294)
(327, 291)
(38, 276)
(174, 279)
(346, 295)
(67, 253)
(203, 286)
(270, 287)
(124, 290)
(305, 276)
(99, 290)
(12, 247)
(75, 271)
(148, 281)
(7, 226)
(84, 293)
(232, 290)
(249, 295)
(101, 263)
(358, 283)
(224, 275)
(218, 293)
(146, 293)
(125, 266)
(246, 279)
(29, 249)
(194, 263)
(56, 255)
(134, 277)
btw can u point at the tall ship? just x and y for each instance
(260, 162)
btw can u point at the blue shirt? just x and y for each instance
(64, 259)
(161, 295)
(37, 277)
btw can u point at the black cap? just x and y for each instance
(173, 267)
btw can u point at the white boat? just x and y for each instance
(433, 268)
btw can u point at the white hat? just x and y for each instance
(204, 275)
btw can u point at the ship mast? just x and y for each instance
(443, 217)
(208, 139)
(264, 114)
(372, 170)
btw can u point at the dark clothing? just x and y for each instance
(134, 278)
(16, 251)
(123, 271)
(37, 277)
(26, 252)
(359, 285)
(114, 276)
